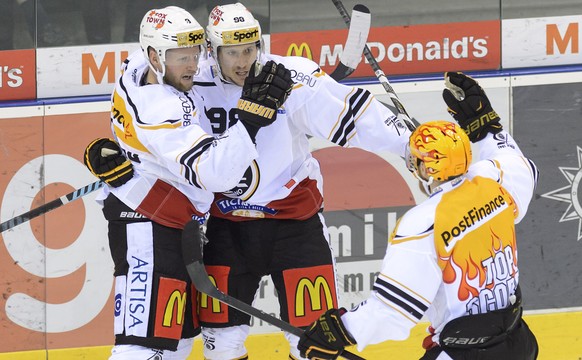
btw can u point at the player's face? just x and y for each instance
(235, 61)
(181, 65)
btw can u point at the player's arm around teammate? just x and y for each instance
(172, 167)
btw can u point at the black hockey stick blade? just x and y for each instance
(359, 28)
(341, 72)
(43, 209)
(192, 247)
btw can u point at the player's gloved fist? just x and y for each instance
(326, 338)
(263, 93)
(469, 105)
(104, 159)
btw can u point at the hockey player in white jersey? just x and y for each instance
(174, 167)
(271, 223)
(452, 258)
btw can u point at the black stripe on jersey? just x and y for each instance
(347, 124)
(535, 172)
(204, 83)
(429, 229)
(397, 296)
(190, 157)
(187, 94)
(129, 100)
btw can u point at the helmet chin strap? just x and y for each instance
(159, 75)
(424, 182)
(426, 185)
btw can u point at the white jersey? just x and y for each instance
(455, 254)
(158, 129)
(285, 180)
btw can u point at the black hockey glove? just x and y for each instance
(326, 338)
(263, 94)
(104, 159)
(470, 107)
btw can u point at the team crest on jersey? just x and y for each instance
(503, 141)
(247, 185)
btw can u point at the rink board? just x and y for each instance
(58, 293)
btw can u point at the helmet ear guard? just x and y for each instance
(442, 147)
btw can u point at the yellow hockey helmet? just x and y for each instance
(443, 147)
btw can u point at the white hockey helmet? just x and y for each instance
(232, 24)
(169, 28)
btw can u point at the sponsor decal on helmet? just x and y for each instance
(157, 18)
(190, 38)
(216, 15)
(242, 36)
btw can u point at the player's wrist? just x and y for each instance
(251, 130)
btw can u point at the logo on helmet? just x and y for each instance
(190, 38)
(157, 18)
(243, 36)
(443, 147)
(215, 16)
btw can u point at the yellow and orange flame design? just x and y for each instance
(443, 147)
(463, 262)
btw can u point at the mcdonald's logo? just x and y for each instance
(299, 50)
(178, 299)
(210, 309)
(314, 290)
(170, 308)
(203, 302)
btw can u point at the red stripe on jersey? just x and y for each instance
(302, 203)
(166, 205)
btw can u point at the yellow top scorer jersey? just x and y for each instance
(455, 253)
(474, 238)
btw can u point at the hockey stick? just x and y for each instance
(192, 253)
(379, 73)
(17, 220)
(359, 27)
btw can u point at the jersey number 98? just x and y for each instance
(219, 120)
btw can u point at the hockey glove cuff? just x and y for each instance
(469, 106)
(326, 338)
(104, 159)
(263, 93)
